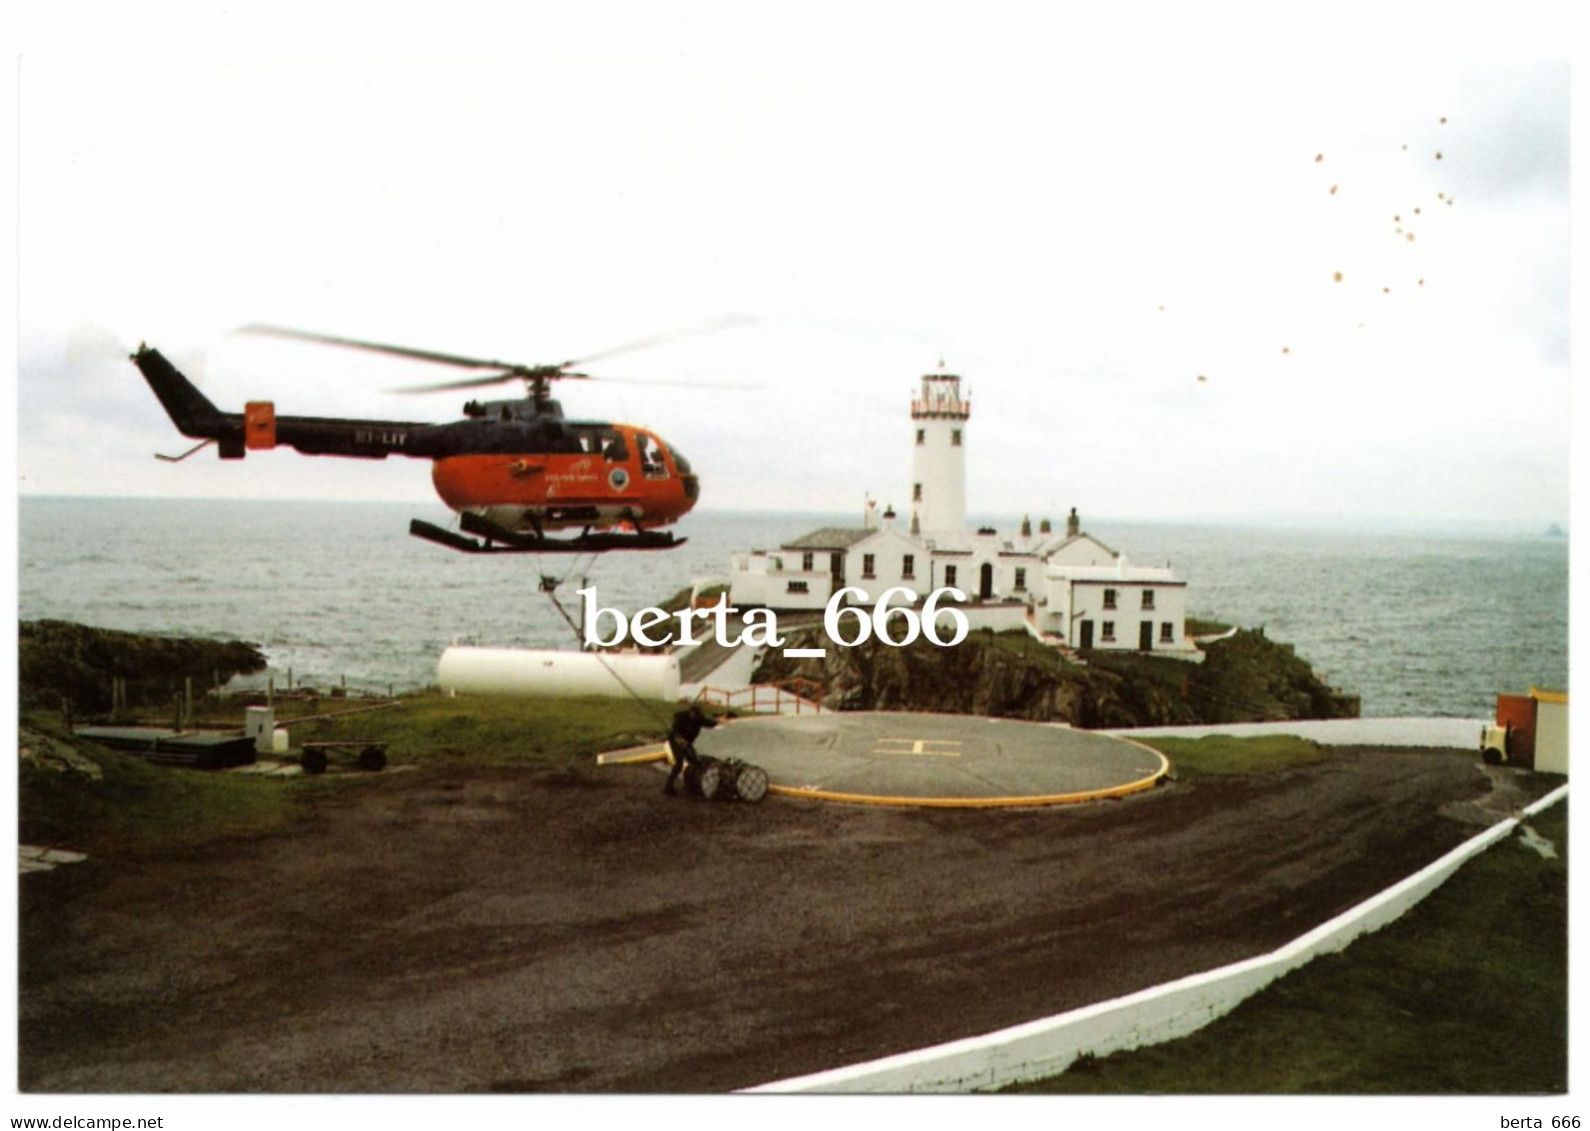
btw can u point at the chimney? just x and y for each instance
(1073, 524)
(1026, 526)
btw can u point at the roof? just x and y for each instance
(1056, 547)
(1115, 575)
(830, 538)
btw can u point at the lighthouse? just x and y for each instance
(938, 460)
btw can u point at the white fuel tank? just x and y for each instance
(526, 673)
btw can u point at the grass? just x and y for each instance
(1466, 995)
(140, 807)
(1219, 754)
(136, 806)
(546, 733)
(1020, 643)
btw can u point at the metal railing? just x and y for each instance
(787, 697)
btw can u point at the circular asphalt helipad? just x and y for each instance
(943, 760)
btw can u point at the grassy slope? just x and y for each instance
(542, 733)
(1466, 994)
(1218, 754)
(140, 807)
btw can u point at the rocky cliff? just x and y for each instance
(1246, 677)
(57, 659)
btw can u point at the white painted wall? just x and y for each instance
(759, 578)
(1074, 596)
(1048, 1046)
(889, 549)
(938, 464)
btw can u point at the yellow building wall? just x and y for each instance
(1551, 732)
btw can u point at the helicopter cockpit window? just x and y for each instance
(652, 464)
(614, 450)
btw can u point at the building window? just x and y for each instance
(1148, 598)
(908, 567)
(806, 562)
(1021, 578)
(916, 492)
(798, 587)
(1167, 632)
(955, 438)
(867, 562)
(949, 575)
(1109, 598)
(1108, 632)
(921, 436)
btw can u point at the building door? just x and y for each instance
(1145, 636)
(985, 589)
(1087, 634)
(836, 568)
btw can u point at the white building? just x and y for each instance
(1069, 589)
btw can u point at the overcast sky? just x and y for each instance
(1123, 231)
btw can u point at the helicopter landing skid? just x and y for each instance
(498, 540)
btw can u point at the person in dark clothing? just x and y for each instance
(687, 727)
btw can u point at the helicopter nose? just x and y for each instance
(692, 487)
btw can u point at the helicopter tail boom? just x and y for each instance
(189, 409)
(260, 428)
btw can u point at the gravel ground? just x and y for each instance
(472, 929)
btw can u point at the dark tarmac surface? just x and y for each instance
(475, 929)
(934, 759)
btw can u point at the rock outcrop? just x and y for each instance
(58, 660)
(1245, 677)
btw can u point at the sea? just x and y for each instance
(1417, 622)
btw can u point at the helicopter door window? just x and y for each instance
(652, 465)
(614, 450)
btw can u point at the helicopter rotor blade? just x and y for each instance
(507, 371)
(730, 386)
(546, 373)
(382, 347)
(711, 326)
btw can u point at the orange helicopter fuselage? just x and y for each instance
(621, 475)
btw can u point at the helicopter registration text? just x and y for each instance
(892, 620)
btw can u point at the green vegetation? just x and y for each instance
(1244, 678)
(60, 661)
(1018, 642)
(543, 733)
(137, 806)
(1466, 994)
(1203, 626)
(1223, 754)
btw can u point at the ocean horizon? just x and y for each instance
(1426, 617)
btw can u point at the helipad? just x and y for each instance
(944, 760)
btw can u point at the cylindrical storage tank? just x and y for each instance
(546, 674)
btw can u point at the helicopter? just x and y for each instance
(516, 471)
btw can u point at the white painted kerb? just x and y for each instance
(1047, 1047)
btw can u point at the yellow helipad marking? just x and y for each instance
(919, 746)
(633, 756)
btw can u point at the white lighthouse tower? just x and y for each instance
(938, 461)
